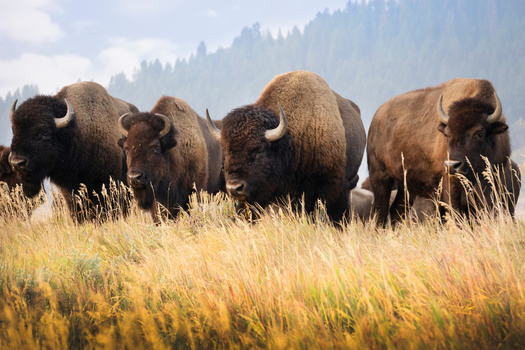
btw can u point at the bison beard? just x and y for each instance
(31, 186)
(144, 196)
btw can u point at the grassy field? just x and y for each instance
(214, 280)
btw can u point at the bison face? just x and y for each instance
(147, 142)
(471, 129)
(257, 154)
(7, 174)
(43, 128)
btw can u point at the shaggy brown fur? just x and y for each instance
(172, 165)
(7, 174)
(319, 155)
(84, 152)
(404, 136)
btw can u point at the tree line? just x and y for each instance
(367, 52)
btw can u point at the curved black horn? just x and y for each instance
(123, 130)
(494, 117)
(442, 115)
(167, 125)
(12, 111)
(65, 120)
(215, 131)
(280, 130)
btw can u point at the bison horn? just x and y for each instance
(12, 111)
(215, 131)
(280, 130)
(442, 115)
(123, 130)
(167, 125)
(496, 115)
(65, 120)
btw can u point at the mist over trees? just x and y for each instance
(367, 52)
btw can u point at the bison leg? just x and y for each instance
(399, 206)
(382, 187)
(339, 209)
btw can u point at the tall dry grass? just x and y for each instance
(288, 280)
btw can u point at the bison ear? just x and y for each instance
(441, 127)
(121, 141)
(498, 128)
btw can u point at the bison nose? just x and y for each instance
(136, 178)
(18, 162)
(453, 166)
(236, 188)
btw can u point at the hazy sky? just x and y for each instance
(53, 43)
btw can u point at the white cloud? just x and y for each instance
(211, 14)
(142, 7)
(27, 21)
(50, 73)
(80, 26)
(126, 55)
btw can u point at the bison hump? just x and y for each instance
(314, 121)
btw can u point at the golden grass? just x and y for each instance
(213, 280)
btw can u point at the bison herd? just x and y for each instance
(430, 151)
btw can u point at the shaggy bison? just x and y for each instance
(71, 138)
(411, 135)
(309, 149)
(169, 151)
(7, 173)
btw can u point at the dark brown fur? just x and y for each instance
(84, 152)
(7, 174)
(405, 136)
(319, 156)
(171, 167)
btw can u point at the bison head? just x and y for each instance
(7, 174)
(471, 128)
(147, 140)
(257, 153)
(43, 128)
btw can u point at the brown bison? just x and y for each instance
(169, 153)
(71, 138)
(412, 136)
(7, 173)
(20, 207)
(309, 149)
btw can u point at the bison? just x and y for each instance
(169, 152)
(17, 206)
(7, 174)
(71, 138)
(299, 139)
(413, 140)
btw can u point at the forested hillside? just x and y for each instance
(367, 52)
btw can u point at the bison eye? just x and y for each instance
(480, 135)
(156, 148)
(46, 135)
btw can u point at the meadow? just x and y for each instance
(212, 279)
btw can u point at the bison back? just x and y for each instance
(314, 121)
(97, 133)
(191, 150)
